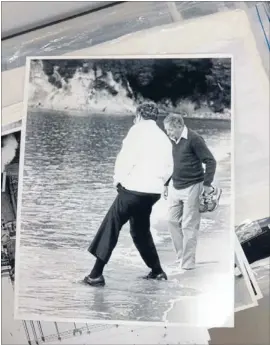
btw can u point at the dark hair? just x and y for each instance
(148, 111)
(174, 120)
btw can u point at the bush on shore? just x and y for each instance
(186, 83)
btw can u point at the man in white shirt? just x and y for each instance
(142, 168)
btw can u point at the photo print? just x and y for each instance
(119, 231)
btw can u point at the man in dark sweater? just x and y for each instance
(190, 179)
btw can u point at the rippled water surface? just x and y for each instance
(67, 189)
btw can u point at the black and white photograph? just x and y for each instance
(11, 128)
(26, 331)
(23, 331)
(71, 332)
(38, 332)
(125, 194)
(248, 297)
(254, 237)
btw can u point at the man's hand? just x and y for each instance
(207, 189)
(165, 192)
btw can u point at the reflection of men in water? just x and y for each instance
(142, 168)
(189, 180)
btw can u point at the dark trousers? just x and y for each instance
(135, 208)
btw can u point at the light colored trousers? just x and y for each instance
(184, 222)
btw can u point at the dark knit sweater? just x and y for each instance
(189, 155)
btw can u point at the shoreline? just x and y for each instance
(92, 111)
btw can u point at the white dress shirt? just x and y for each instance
(145, 162)
(183, 135)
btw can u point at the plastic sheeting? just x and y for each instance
(101, 26)
(37, 14)
(85, 31)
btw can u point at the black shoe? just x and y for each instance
(156, 276)
(99, 281)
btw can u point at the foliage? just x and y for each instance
(186, 106)
(219, 84)
(201, 81)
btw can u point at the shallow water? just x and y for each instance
(67, 190)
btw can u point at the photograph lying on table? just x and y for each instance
(125, 194)
(247, 298)
(11, 127)
(22, 331)
(25, 331)
(254, 237)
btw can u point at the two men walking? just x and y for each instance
(148, 165)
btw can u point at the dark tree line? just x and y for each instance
(199, 80)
